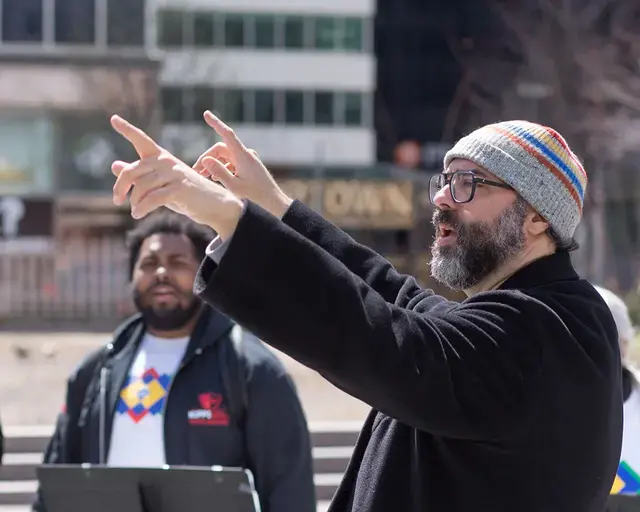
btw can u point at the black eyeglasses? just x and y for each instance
(462, 185)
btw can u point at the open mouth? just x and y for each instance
(445, 231)
(445, 234)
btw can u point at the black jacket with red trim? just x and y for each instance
(204, 424)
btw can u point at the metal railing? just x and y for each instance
(75, 279)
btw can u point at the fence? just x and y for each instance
(79, 278)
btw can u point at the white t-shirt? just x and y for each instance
(137, 436)
(628, 477)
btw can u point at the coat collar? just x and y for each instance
(549, 269)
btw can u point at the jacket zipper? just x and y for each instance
(182, 366)
(102, 427)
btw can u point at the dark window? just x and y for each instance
(294, 32)
(203, 29)
(353, 109)
(325, 30)
(22, 20)
(234, 30)
(170, 28)
(201, 100)
(323, 107)
(353, 35)
(294, 107)
(172, 105)
(125, 22)
(75, 21)
(265, 32)
(233, 108)
(264, 107)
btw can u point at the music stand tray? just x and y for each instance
(623, 503)
(79, 488)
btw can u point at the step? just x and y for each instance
(21, 492)
(34, 439)
(336, 433)
(331, 459)
(19, 466)
(326, 485)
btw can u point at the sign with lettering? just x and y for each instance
(357, 204)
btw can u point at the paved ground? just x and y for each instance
(34, 366)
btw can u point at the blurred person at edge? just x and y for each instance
(180, 390)
(508, 401)
(627, 479)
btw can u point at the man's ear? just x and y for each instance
(535, 225)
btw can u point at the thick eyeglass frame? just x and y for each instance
(448, 176)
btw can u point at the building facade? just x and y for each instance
(65, 66)
(296, 78)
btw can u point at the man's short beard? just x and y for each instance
(170, 319)
(480, 247)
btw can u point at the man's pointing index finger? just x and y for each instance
(143, 144)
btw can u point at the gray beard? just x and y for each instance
(480, 248)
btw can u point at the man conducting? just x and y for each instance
(510, 400)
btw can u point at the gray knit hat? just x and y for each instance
(537, 162)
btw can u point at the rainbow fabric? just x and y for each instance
(627, 481)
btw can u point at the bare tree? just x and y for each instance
(573, 65)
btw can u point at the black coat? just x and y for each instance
(508, 401)
(271, 438)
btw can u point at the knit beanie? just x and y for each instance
(537, 162)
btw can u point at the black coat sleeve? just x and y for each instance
(367, 264)
(463, 371)
(277, 437)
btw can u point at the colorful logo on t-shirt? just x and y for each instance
(143, 395)
(627, 481)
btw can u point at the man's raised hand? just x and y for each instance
(160, 179)
(240, 170)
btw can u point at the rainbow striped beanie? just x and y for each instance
(537, 162)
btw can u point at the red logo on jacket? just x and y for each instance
(210, 412)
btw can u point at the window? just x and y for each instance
(294, 107)
(75, 21)
(203, 29)
(325, 33)
(201, 100)
(353, 35)
(186, 105)
(172, 105)
(21, 21)
(232, 105)
(265, 32)
(323, 108)
(264, 102)
(125, 22)
(234, 30)
(294, 32)
(26, 146)
(353, 109)
(170, 28)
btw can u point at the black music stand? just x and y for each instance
(78, 488)
(623, 503)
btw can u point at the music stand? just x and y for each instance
(78, 488)
(623, 503)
